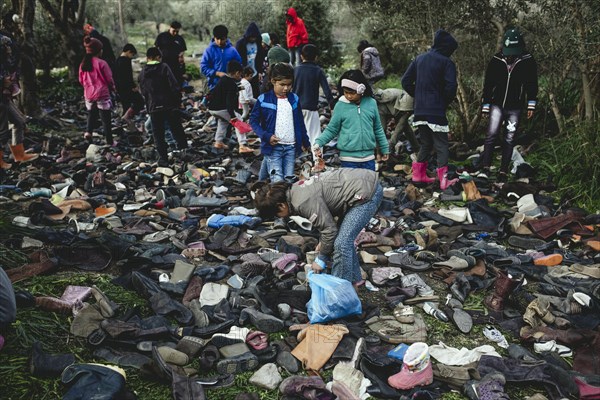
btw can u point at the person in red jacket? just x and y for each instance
(297, 36)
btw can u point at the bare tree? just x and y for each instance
(69, 24)
(23, 32)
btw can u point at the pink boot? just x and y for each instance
(416, 368)
(442, 174)
(420, 173)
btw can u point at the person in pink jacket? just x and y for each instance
(96, 78)
(296, 35)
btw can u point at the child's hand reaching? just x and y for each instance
(274, 140)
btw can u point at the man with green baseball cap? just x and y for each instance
(513, 44)
(510, 80)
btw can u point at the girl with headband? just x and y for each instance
(355, 124)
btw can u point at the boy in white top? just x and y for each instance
(246, 98)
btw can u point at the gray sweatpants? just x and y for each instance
(223, 119)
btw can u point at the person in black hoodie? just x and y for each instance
(510, 79)
(129, 94)
(253, 54)
(223, 104)
(163, 97)
(431, 80)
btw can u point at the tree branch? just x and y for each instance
(54, 15)
(80, 13)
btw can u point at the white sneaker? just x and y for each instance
(562, 351)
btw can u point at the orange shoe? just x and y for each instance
(104, 211)
(594, 244)
(3, 164)
(245, 149)
(549, 260)
(220, 145)
(19, 154)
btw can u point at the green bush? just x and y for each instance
(572, 161)
(59, 88)
(192, 70)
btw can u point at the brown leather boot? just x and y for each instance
(503, 287)
(53, 304)
(18, 152)
(472, 193)
(40, 263)
(4, 165)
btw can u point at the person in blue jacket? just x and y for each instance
(215, 58)
(431, 80)
(277, 120)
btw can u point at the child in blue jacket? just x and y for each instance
(277, 120)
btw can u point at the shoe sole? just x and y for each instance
(222, 341)
(237, 366)
(269, 326)
(462, 320)
(288, 362)
(525, 243)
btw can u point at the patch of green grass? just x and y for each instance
(390, 81)
(572, 160)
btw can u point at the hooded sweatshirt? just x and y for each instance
(296, 31)
(370, 63)
(215, 59)
(159, 87)
(242, 47)
(431, 80)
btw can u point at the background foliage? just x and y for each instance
(563, 36)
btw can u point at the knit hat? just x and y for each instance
(92, 46)
(513, 44)
(266, 38)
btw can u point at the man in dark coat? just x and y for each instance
(171, 45)
(108, 54)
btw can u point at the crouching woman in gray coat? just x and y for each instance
(350, 194)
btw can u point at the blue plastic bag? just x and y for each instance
(331, 298)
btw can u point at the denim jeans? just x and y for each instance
(345, 258)
(499, 118)
(263, 174)
(90, 381)
(364, 164)
(295, 55)
(280, 163)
